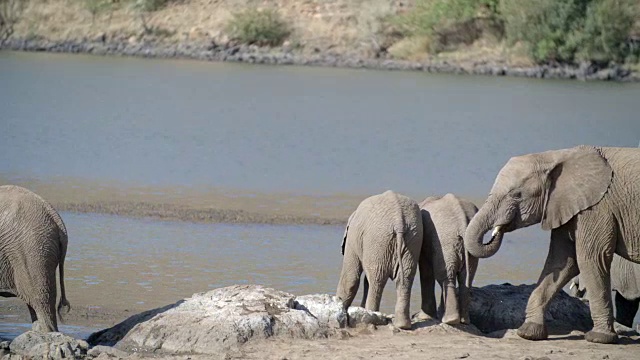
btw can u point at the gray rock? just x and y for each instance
(52, 345)
(110, 352)
(361, 316)
(501, 307)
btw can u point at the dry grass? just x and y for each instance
(489, 51)
(339, 25)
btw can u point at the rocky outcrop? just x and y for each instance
(225, 318)
(54, 345)
(501, 307)
(284, 56)
(220, 320)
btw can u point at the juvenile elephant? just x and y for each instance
(33, 242)
(443, 257)
(625, 283)
(588, 197)
(383, 238)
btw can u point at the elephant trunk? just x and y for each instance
(482, 222)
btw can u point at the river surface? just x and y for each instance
(267, 130)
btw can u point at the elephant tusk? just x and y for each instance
(496, 230)
(572, 286)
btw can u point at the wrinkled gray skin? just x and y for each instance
(625, 283)
(383, 238)
(33, 242)
(443, 257)
(588, 198)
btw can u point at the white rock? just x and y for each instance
(222, 319)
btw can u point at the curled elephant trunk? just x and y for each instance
(473, 239)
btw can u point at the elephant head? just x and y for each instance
(549, 187)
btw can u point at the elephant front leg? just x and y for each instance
(595, 246)
(559, 268)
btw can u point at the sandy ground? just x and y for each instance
(432, 341)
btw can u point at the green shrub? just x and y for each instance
(260, 27)
(570, 30)
(428, 16)
(606, 31)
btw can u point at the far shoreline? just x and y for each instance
(281, 56)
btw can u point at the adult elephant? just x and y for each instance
(589, 197)
(33, 242)
(444, 259)
(383, 238)
(625, 283)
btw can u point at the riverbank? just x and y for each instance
(284, 56)
(329, 33)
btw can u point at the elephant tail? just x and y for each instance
(400, 247)
(63, 303)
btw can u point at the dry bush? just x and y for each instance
(10, 13)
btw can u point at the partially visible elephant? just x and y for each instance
(33, 242)
(625, 283)
(444, 259)
(383, 238)
(589, 198)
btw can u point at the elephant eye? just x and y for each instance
(517, 194)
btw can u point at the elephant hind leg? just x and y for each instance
(43, 318)
(349, 279)
(365, 291)
(402, 319)
(41, 300)
(376, 286)
(626, 310)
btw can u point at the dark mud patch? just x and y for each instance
(172, 212)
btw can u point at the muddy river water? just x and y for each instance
(283, 141)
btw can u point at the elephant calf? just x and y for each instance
(33, 242)
(625, 282)
(383, 238)
(443, 257)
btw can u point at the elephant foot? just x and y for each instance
(421, 315)
(533, 331)
(451, 319)
(404, 324)
(601, 338)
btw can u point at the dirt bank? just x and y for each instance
(334, 33)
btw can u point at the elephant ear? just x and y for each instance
(346, 230)
(578, 179)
